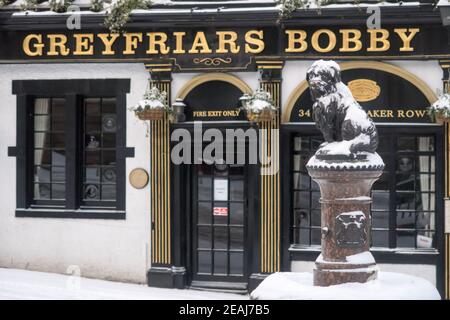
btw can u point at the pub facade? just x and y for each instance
(86, 184)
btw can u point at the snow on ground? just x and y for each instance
(22, 284)
(388, 286)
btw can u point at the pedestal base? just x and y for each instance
(357, 268)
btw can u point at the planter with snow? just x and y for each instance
(259, 106)
(440, 110)
(153, 106)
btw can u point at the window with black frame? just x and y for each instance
(49, 162)
(99, 152)
(71, 148)
(404, 198)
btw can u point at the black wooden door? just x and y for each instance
(219, 215)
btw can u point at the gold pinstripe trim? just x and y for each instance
(270, 191)
(160, 195)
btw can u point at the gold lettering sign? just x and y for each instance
(364, 90)
(226, 42)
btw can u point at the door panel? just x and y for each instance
(219, 214)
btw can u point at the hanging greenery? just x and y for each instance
(97, 5)
(119, 13)
(60, 5)
(287, 7)
(440, 110)
(5, 2)
(29, 5)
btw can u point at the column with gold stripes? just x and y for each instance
(270, 197)
(161, 253)
(445, 64)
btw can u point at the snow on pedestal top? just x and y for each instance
(372, 162)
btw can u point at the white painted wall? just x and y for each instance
(117, 250)
(427, 272)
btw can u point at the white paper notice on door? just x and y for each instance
(220, 189)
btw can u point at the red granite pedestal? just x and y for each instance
(345, 219)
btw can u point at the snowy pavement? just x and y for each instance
(22, 284)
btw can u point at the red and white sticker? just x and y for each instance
(220, 211)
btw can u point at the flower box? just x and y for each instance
(153, 106)
(439, 111)
(259, 106)
(151, 114)
(265, 115)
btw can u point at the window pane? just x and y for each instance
(99, 131)
(220, 238)
(406, 239)
(204, 212)
(58, 191)
(204, 237)
(204, 183)
(204, 262)
(108, 175)
(380, 239)
(406, 143)
(237, 213)
(108, 192)
(42, 191)
(237, 238)
(236, 263)
(237, 190)
(49, 149)
(220, 263)
(92, 174)
(42, 174)
(380, 200)
(380, 219)
(91, 192)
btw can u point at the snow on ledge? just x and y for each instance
(372, 162)
(360, 258)
(388, 286)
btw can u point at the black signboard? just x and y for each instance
(387, 97)
(214, 101)
(225, 48)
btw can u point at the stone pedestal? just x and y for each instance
(345, 219)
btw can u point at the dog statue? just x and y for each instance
(347, 129)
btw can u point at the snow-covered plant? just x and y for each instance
(287, 7)
(60, 5)
(257, 102)
(153, 99)
(96, 5)
(5, 2)
(441, 108)
(120, 10)
(29, 5)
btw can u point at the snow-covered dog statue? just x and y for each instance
(347, 129)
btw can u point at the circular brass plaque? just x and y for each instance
(138, 178)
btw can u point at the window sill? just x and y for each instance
(381, 255)
(71, 214)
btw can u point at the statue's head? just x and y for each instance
(322, 77)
